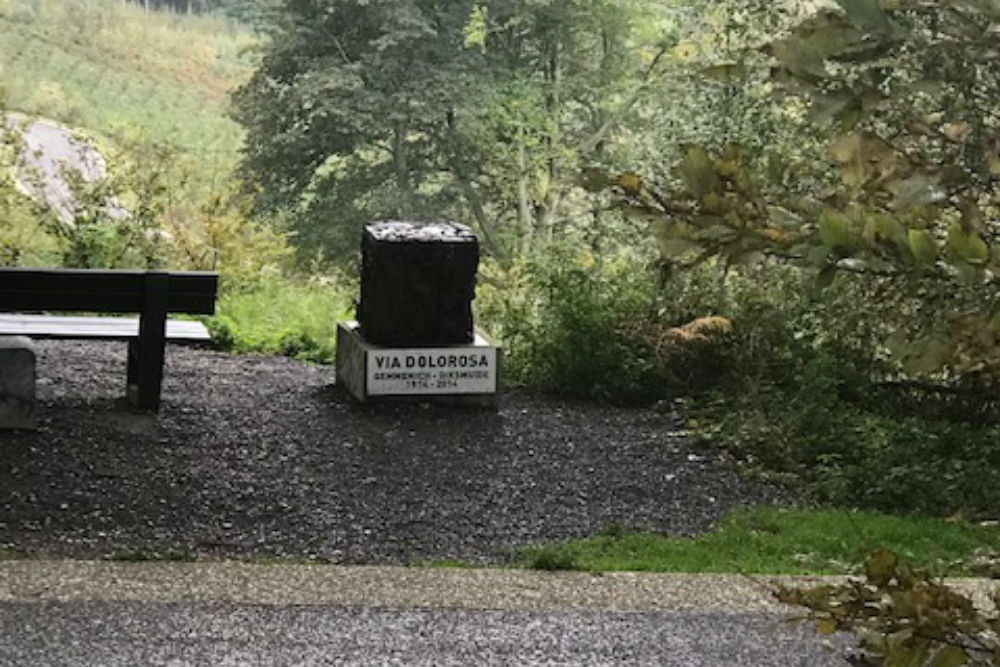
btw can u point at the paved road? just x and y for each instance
(112, 634)
(200, 615)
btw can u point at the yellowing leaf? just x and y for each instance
(714, 204)
(724, 71)
(630, 182)
(826, 626)
(685, 50)
(994, 164)
(955, 131)
(929, 355)
(698, 172)
(846, 148)
(949, 656)
(898, 343)
(880, 567)
(775, 235)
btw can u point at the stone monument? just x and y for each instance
(414, 335)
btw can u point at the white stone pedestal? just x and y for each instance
(17, 382)
(453, 375)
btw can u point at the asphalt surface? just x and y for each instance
(83, 614)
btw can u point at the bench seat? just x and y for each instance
(152, 294)
(95, 328)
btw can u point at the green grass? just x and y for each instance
(116, 71)
(779, 541)
(282, 317)
(145, 556)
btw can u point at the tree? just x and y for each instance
(906, 94)
(415, 108)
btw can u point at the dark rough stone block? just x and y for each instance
(417, 284)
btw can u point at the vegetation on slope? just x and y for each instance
(114, 70)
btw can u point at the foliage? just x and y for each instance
(563, 319)
(224, 236)
(914, 203)
(765, 540)
(417, 109)
(851, 452)
(283, 316)
(22, 238)
(121, 74)
(903, 617)
(551, 558)
(800, 397)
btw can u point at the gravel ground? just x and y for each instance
(263, 457)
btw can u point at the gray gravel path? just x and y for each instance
(109, 634)
(262, 457)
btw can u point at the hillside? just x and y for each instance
(114, 70)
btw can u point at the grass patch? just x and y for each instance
(279, 316)
(123, 73)
(146, 556)
(779, 541)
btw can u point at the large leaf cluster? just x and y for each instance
(905, 95)
(903, 617)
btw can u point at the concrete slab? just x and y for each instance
(459, 375)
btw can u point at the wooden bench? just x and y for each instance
(151, 294)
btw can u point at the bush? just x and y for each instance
(902, 616)
(564, 322)
(283, 316)
(807, 396)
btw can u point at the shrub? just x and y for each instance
(297, 318)
(564, 321)
(904, 617)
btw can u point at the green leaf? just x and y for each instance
(835, 229)
(886, 228)
(929, 355)
(922, 246)
(949, 656)
(898, 343)
(842, 107)
(917, 190)
(813, 41)
(965, 246)
(826, 276)
(672, 248)
(698, 172)
(866, 15)
(782, 217)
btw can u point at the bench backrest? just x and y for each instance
(103, 291)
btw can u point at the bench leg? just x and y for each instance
(146, 353)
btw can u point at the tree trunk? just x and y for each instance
(404, 182)
(525, 218)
